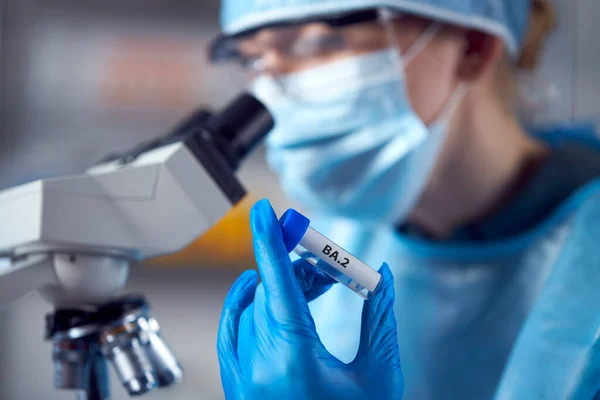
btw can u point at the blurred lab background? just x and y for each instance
(79, 79)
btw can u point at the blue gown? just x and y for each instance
(508, 309)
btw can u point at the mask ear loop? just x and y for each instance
(403, 60)
(387, 16)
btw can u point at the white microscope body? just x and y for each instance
(73, 239)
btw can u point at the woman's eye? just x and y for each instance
(247, 62)
(253, 64)
(317, 46)
(334, 43)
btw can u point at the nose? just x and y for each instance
(276, 62)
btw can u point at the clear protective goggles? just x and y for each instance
(292, 49)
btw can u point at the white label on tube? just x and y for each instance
(340, 259)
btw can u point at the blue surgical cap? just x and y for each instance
(506, 19)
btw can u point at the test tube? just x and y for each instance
(327, 256)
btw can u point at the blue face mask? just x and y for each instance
(348, 143)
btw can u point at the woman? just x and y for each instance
(397, 125)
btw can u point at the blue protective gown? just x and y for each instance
(508, 309)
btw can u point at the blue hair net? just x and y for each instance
(506, 19)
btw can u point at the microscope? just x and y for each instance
(74, 238)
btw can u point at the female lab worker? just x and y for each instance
(397, 128)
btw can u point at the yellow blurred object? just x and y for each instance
(229, 243)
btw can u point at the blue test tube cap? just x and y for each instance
(293, 226)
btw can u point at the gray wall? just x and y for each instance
(586, 47)
(571, 63)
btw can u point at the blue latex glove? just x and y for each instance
(268, 346)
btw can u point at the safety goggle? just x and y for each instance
(230, 48)
(311, 52)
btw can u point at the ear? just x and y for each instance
(481, 53)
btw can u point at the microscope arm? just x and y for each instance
(25, 276)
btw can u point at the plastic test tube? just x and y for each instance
(321, 252)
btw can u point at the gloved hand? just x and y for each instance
(268, 346)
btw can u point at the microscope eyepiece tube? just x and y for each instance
(239, 128)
